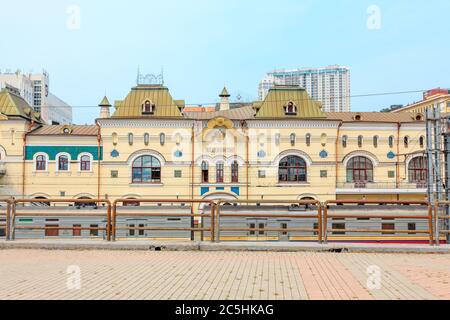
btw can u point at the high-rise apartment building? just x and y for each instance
(329, 85)
(34, 89)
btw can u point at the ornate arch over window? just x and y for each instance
(292, 169)
(360, 170)
(146, 169)
(290, 109)
(417, 170)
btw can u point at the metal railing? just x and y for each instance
(437, 218)
(192, 215)
(6, 226)
(382, 185)
(317, 216)
(15, 214)
(428, 217)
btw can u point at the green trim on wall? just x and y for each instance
(52, 151)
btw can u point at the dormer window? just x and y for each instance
(148, 107)
(290, 109)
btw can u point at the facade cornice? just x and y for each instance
(281, 124)
(145, 123)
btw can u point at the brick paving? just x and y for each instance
(43, 274)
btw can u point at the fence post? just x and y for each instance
(218, 222)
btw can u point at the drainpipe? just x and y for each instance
(247, 164)
(337, 152)
(99, 138)
(192, 162)
(28, 130)
(398, 160)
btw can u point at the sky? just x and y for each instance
(95, 47)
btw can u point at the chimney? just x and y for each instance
(224, 100)
(104, 108)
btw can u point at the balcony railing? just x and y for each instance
(381, 185)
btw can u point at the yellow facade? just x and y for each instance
(256, 140)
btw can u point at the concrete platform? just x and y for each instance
(223, 246)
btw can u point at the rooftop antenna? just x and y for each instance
(162, 75)
(138, 75)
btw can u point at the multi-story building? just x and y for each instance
(282, 147)
(34, 88)
(329, 85)
(434, 97)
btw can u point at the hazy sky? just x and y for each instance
(204, 44)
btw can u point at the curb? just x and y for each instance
(224, 246)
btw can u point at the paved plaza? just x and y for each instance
(71, 274)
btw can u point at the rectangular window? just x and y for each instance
(131, 232)
(412, 227)
(338, 226)
(316, 227)
(177, 173)
(284, 226)
(261, 226)
(252, 226)
(2, 232)
(219, 173)
(76, 231)
(323, 173)
(94, 232)
(141, 232)
(388, 226)
(114, 174)
(51, 231)
(391, 174)
(261, 174)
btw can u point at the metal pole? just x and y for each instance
(447, 173)
(430, 185)
(437, 151)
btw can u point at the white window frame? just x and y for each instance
(35, 161)
(69, 159)
(91, 159)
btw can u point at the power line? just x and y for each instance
(248, 103)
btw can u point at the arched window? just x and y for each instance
(87, 203)
(162, 139)
(375, 141)
(422, 142)
(406, 141)
(146, 139)
(290, 109)
(147, 107)
(178, 139)
(40, 204)
(205, 172)
(85, 163)
(235, 172)
(323, 139)
(63, 163)
(360, 170)
(115, 138)
(41, 163)
(391, 141)
(130, 139)
(219, 172)
(344, 141)
(292, 139)
(132, 203)
(360, 141)
(308, 139)
(146, 169)
(417, 170)
(277, 139)
(292, 169)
